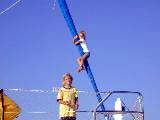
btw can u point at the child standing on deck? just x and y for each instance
(68, 99)
(81, 60)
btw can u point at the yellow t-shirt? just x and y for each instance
(70, 95)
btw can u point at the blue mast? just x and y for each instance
(72, 28)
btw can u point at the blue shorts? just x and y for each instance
(68, 118)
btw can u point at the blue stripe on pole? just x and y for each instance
(72, 28)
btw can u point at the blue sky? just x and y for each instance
(123, 37)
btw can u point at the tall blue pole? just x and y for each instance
(72, 28)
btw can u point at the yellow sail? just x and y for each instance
(11, 109)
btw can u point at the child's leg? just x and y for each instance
(80, 69)
(79, 61)
(83, 59)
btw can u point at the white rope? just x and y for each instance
(32, 90)
(10, 7)
(42, 112)
(36, 112)
(54, 90)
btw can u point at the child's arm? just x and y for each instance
(64, 102)
(68, 104)
(75, 40)
(76, 105)
(60, 98)
(76, 100)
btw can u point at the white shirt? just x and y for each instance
(84, 45)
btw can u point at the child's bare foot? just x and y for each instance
(80, 69)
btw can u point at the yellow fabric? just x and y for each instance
(11, 109)
(69, 95)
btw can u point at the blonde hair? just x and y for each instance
(84, 33)
(66, 75)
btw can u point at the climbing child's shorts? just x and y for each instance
(87, 53)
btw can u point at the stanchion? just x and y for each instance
(2, 99)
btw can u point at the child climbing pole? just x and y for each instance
(68, 18)
(80, 39)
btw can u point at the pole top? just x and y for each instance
(1, 91)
